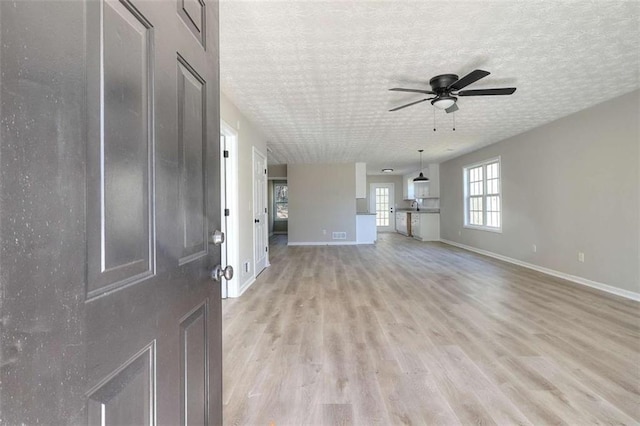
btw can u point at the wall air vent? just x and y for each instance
(339, 235)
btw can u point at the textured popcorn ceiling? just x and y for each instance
(313, 75)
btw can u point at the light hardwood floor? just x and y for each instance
(406, 332)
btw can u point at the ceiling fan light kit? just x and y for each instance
(444, 102)
(447, 87)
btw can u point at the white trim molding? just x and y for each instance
(244, 287)
(324, 243)
(573, 278)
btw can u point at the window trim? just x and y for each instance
(466, 196)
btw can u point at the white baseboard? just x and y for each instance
(246, 285)
(573, 278)
(323, 243)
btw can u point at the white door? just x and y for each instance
(381, 202)
(260, 238)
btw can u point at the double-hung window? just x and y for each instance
(482, 196)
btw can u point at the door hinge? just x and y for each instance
(226, 212)
(265, 171)
(266, 249)
(226, 153)
(265, 209)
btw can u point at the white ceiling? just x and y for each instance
(314, 75)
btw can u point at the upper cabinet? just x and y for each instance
(431, 189)
(361, 180)
(407, 187)
(421, 189)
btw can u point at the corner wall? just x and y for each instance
(248, 137)
(571, 185)
(321, 197)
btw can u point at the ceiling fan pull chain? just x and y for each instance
(434, 119)
(454, 121)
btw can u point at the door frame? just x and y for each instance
(256, 152)
(230, 250)
(392, 204)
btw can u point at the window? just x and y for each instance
(482, 199)
(281, 201)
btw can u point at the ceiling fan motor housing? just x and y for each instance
(439, 83)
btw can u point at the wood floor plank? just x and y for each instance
(410, 333)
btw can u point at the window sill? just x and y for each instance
(484, 228)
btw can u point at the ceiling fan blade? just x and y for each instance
(408, 105)
(488, 92)
(452, 108)
(472, 77)
(400, 89)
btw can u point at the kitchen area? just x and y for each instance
(421, 220)
(407, 204)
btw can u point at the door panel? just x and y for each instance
(193, 14)
(194, 389)
(120, 163)
(192, 142)
(128, 395)
(107, 272)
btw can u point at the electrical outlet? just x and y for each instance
(324, 232)
(534, 248)
(459, 233)
(580, 257)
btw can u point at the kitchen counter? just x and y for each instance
(419, 211)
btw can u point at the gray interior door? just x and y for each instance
(109, 188)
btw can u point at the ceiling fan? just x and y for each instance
(447, 87)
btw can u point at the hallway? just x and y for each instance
(404, 332)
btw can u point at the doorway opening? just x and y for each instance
(230, 250)
(279, 202)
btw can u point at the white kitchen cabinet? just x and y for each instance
(408, 187)
(415, 224)
(361, 180)
(366, 230)
(401, 223)
(421, 189)
(426, 226)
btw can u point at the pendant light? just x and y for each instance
(421, 177)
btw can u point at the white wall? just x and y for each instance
(571, 185)
(321, 197)
(248, 137)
